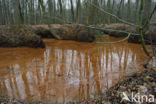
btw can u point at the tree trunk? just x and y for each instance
(72, 10)
(78, 11)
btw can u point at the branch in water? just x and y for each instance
(116, 41)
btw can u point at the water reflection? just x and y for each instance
(66, 71)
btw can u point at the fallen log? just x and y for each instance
(10, 36)
(66, 32)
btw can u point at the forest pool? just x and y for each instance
(66, 70)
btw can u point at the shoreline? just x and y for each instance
(139, 82)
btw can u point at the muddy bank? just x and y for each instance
(66, 32)
(142, 83)
(11, 36)
(117, 30)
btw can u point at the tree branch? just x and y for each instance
(141, 30)
(106, 29)
(121, 20)
(116, 41)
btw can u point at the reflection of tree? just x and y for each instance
(24, 77)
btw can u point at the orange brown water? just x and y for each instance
(65, 70)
